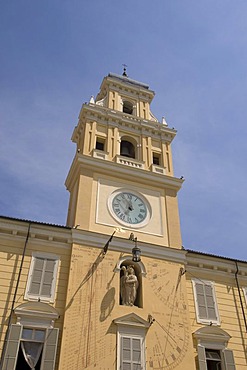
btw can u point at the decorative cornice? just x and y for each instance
(40, 234)
(121, 245)
(215, 266)
(103, 115)
(197, 264)
(103, 166)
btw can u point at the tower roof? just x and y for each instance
(128, 80)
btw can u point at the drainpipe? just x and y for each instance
(14, 298)
(240, 297)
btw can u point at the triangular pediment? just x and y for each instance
(132, 319)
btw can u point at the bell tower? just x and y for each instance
(122, 173)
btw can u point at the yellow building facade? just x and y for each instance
(80, 296)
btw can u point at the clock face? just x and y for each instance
(129, 208)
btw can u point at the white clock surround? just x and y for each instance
(156, 216)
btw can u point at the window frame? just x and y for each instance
(206, 320)
(131, 333)
(13, 345)
(102, 141)
(156, 157)
(134, 327)
(39, 297)
(214, 338)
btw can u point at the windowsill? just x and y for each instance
(39, 299)
(208, 322)
(100, 154)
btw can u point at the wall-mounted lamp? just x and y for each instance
(136, 252)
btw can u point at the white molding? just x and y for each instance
(36, 315)
(212, 336)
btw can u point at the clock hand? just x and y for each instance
(128, 204)
(121, 206)
(130, 207)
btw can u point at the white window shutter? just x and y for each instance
(50, 349)
(210, 301)
(229, 359)
(201, 300)
(36, 278)
(136, 354)
(48, 276)
(12, 347)
(131, 353)
(201, 357)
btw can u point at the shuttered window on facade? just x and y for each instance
(131, 356)
(205, 302)
(17, 336)
(245, 294)
(215, 359)
(42, 278)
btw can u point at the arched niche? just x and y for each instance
(128, 107)
(128, 147)
(124, 264)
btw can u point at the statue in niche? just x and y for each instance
(129, 286)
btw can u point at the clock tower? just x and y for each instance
(122, 312)
(122, 173)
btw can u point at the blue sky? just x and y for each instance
(192, 53)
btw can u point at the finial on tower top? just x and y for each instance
(124, 71)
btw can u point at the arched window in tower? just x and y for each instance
(127, 149)
(130, 284)
(128, 107)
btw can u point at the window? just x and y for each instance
(131, 342)
(127, 149)
(212, 350)
(156, 159)
(131, 353)
(100, 143)
(30, 350)
(30, 347)
(245, 294)
(213, 359)
(127, 107)
(32, 341)
(205, 302)
(42, 277)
